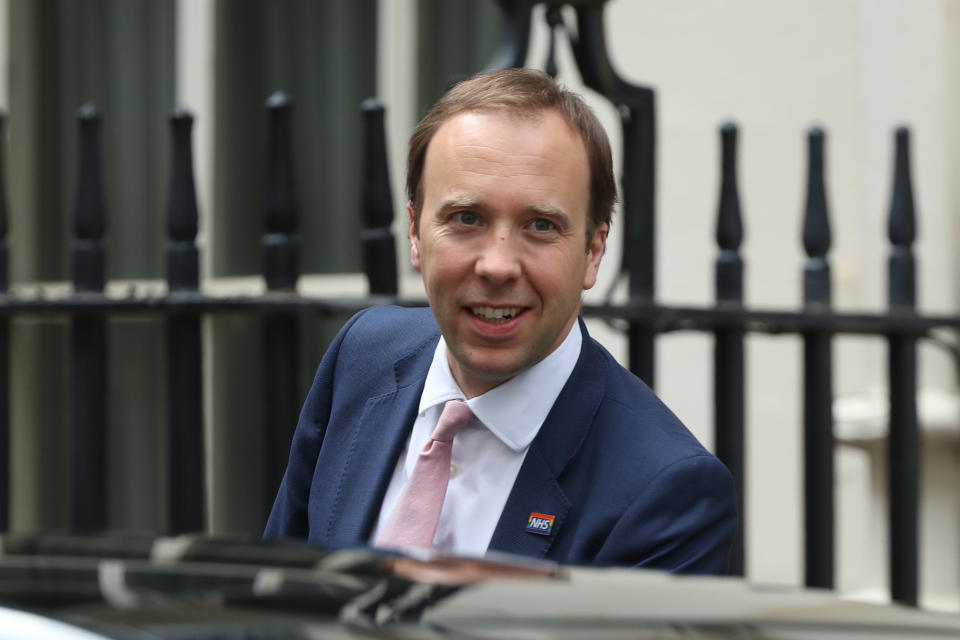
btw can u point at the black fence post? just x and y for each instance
(281, 268)
(4, 351)
(88, 344)
(185, 462)
(379, 247)
(638, 182)
(728, 377)
(817, 378)
(904, 438)
(637, 107)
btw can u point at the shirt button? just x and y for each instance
(454, 470)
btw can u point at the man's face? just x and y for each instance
(501, 240)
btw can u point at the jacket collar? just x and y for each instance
(381, 432)
(536, 489)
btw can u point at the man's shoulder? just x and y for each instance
(411, 318)
(620, 385)
(636, 467)
(632, 413)
(389, 331)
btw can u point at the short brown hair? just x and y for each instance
(522, 92)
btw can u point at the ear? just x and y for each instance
(414, 239)
(598, 244)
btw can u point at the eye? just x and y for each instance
(542, 224)
(466, 217)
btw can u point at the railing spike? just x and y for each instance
(89, 218)
(816, 224)
(729, 265)
(902, 227)
(729, 224)
(182, 217)
(280, 244)
(379, 247)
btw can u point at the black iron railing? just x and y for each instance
(817, 377)
(729, 319)
(184, 343)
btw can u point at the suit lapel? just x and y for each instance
(378, 438)
(536, 489)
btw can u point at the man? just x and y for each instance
(558, 451)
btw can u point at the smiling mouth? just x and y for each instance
(496, 315)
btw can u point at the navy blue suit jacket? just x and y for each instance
(624, 479)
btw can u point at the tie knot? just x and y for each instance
(455, 415)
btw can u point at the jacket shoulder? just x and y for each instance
(667, 501)
(630, 407)
(389, 332)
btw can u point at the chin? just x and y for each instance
(486, 372)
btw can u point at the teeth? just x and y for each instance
(497, 315)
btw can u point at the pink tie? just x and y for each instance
(413, 521)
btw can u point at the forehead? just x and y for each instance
(501, 122)
(535, 155)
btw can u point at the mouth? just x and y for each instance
(496, 315)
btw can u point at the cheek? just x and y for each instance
(551, 283)
(438, 276)
(565, 282)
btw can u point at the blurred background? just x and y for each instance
(857, 68)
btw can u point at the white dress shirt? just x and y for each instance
(487, 453)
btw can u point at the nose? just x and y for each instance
(499, 261)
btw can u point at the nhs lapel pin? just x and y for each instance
(540, 523)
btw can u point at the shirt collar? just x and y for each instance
(514, 410)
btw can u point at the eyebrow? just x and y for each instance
(458, 202)
(455, 203)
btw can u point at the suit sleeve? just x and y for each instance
(683, 521)
(288, 518)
